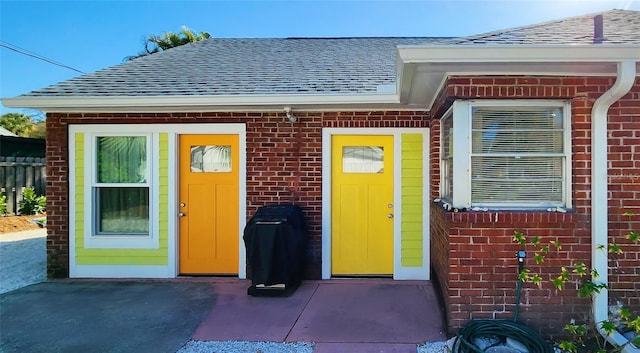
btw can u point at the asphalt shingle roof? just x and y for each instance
(248, 66)
(308, 65)
(619, 27)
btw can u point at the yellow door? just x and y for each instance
(362, 205)
(209, 193)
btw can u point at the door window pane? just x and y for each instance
(123, 210)
(210, 159)
(122, 159)
(363, 159)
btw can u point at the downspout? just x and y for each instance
(599, 195)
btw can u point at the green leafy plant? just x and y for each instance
(586, 279)
(3, 204)
(31, 203)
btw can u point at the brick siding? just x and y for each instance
(473, 254)
(284, 163)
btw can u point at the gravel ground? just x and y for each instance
(245, 347)
(435, 347)
(272, 347)
(23, 259)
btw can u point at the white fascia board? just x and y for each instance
(405, 72)
(517, 53)
(228, 102)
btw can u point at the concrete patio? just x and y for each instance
(340, 315)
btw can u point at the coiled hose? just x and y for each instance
(498, 328)
(501, 328)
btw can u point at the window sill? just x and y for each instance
(445, 205)
(510, 217)
(123, 241)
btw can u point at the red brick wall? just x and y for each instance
(473, 254)
(57, 191)
(483, 269)
(284, 163)
(624, 195)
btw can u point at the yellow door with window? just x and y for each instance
(208, 209)
(362, 207)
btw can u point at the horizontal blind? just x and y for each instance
(447, 156)
(517, 130)
(517, 156)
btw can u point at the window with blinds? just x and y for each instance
(517, 156)
(506, 154)
(446, 160)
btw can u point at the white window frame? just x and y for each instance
(92, 238)
(462, 133)
(445, 184)
(96, 185)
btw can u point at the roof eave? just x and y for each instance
(518, 53)
(422, 69)
(204, 103)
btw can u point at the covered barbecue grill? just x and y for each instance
(276, 240)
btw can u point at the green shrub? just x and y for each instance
(586, 279)
(31, 203)
(3, 204)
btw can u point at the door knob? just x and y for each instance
(390, 215)
(182, 204)
(181, 214)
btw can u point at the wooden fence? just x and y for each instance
(18, 173)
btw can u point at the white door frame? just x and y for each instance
(399, 272)
(211, 129)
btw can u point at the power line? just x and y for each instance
(26, 52)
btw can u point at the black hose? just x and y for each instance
(502, 329)
(517, 310)
(518, 289)
(498, 328)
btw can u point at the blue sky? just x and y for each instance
(91, 35)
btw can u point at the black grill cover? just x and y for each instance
(276, 240)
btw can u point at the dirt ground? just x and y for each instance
(10, 224)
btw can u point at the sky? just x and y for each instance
(90, 35)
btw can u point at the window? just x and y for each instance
(512, 154)
(210, 159)
(121, 185)
(447, 156)
(363, 159)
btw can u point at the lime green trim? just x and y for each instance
(411, 196)
(163, 202)
(79, 192)
(123, 256)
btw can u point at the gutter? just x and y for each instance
(385, 96)
(599, 205)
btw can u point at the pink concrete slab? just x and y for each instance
(237, 316)
(364, 348)
(371, 312)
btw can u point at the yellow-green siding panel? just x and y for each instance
(79, 191)
(164, 193)
(412, 196)
(120, 256)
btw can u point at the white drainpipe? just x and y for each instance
(599, 194)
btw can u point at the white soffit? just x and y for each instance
(236, 103)
(423, 69)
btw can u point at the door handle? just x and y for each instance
(181, 214)
(390, 215)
